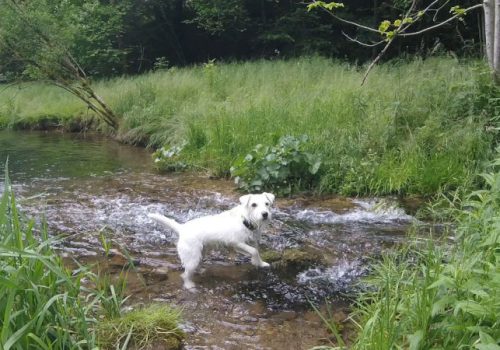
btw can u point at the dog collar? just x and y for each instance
(249, 225)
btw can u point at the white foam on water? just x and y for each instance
(345, 270)
(370, 212)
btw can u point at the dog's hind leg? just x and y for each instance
(254, 253)
(190, 258)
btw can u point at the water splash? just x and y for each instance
(367, 212)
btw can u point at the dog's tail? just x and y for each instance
(170, 223)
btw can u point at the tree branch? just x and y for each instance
(362, 43)
(400, 31)
(439, 24)
(374, 62)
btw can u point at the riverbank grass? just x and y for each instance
(41, 305)
(152, 325)
(416, 127)
(433, 295)
(46, 305)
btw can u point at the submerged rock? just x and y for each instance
(294, 259)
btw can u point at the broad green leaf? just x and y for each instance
(472, 308)
(443, 281)
(481, 346)
(486, 338)
(14, 338)
(415, 339)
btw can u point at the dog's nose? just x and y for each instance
(265, 214)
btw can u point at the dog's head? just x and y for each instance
(258, 206)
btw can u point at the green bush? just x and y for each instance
(169, 159)
(283, 168)
(433, 295)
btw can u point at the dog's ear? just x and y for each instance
(270, 197)
(244, 200)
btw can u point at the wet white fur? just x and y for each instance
(226, 228)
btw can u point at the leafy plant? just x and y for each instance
(433, 295)
(169, 159)
(42, 305)
(46, 305)
(282, 168)
(430, 134)
(161, 63)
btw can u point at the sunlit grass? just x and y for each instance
(416, 127)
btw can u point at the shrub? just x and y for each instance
(169, 159)
(433, 295)
(282, 168)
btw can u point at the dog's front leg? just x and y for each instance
(256, 238)
(254, 253)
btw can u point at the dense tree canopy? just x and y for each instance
(59, 42)
(129, 36)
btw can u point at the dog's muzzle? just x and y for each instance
(265, 215)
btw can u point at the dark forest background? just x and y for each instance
(135, 36)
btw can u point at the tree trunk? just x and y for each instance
(489, 27)
(496, 42)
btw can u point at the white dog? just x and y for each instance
(234, 228)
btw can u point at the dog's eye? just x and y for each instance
(267, 204)
(254, 205)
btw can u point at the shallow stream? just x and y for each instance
(87, 186)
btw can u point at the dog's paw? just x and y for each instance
(190, 286)
(264, 264)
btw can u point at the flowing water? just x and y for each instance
(88, 187)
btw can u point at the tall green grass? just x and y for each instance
(41, 300)
(439, 295)
(45, 305)
(415, 127)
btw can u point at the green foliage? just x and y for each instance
(384, 26)
(45, 305)
(38, 34)
(169, 159)
(210, 70)
(42, 304)
(415, 127)
(109, 38)
(458, 11)
(282, 168)
(219, 16)
(326, 5)
(44, 34)
(154, 324)
(436, 296)
(161, 63)
(98, 29)
(110, 292)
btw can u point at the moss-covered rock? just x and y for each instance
(155, 326)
